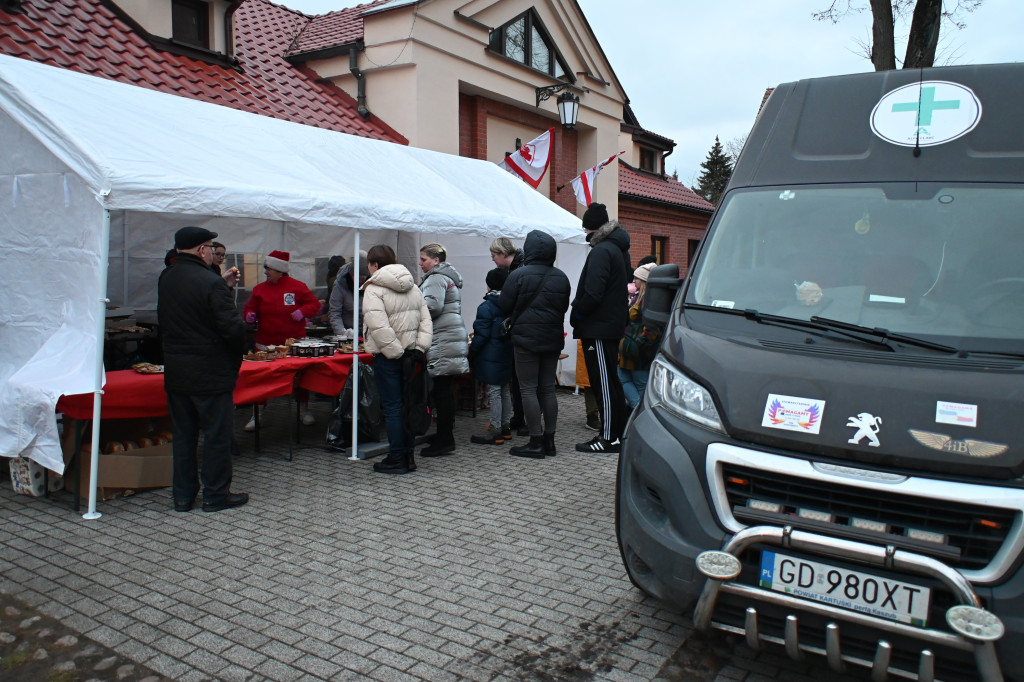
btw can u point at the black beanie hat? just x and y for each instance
(595, 217)
(496, 279)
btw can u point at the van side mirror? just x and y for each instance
(662, 284)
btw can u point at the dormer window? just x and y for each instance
(190, 22)
(525, 40)
(649, 160)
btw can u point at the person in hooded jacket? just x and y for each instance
(537, 296)
(397, 320)
(341, 303)
(600, 313)
(448, 356)
(490, 355)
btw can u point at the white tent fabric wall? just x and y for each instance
(76, 148)
(471, 256)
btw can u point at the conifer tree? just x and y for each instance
(717, 170)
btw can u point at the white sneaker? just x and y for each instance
(251, 425)
(307, 418)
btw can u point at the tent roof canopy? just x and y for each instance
(142, 150)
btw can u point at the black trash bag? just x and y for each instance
(371, 417)
(416, 386)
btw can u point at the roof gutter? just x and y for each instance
(353, 67)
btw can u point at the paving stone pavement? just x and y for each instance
(478, 566)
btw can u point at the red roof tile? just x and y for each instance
(665, 190)
(332, 29)
(88, 37)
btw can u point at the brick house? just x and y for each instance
(457, 77)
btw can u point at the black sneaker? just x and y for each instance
(506, 432)
(598, 445)
(593, 422)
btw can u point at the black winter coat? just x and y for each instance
(203, 333)
(601, 307)
(539, 327)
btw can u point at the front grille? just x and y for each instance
(974, 533)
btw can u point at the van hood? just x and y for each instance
(919, 412)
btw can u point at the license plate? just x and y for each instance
(842, 587)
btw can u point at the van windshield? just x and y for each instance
(931, 261)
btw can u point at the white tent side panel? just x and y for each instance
(50, 230)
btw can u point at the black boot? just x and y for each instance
(549, 445)
(392, 464)
(442, 445)
(534, 449)
(410, 461)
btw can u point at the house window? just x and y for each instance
(691, 251)
(648, 160)
(190, 22)
(659, 249)
(525, 40)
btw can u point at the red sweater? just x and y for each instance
(273, 305)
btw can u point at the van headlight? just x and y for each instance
(682, 395)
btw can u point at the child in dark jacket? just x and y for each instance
(490, 356)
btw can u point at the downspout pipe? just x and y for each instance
(353, 67)
(229, 30)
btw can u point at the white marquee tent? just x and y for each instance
(96, 175)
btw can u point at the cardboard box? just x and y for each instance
(30, 478)
(130, 470)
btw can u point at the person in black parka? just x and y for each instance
(203, 342)
(600, 313)
(537, 296)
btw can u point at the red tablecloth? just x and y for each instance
(130, 394)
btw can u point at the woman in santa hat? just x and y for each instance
(280, 305)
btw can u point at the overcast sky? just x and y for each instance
(696, 69)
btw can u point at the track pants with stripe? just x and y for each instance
(602, 359)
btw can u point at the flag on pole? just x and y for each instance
(530, 161)
(583, 186)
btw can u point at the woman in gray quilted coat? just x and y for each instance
(448, 356)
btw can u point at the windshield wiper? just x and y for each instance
(880, 333)
(794, 322)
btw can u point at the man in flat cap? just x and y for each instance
(203, 341)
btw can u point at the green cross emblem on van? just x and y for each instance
(926, 114)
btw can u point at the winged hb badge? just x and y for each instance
(967, 446)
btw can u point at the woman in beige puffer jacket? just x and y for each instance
(396, 319)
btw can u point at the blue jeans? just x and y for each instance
(388, 375)
(634, 381)
(500, 396)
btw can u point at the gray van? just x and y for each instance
(829, 453)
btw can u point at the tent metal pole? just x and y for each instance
(354, 367)
(101, 326)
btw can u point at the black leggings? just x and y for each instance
(444, 402)
(537, 374)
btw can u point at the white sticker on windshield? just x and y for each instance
(723, 304)
(961, 414)
(792, 413)
(926, 113)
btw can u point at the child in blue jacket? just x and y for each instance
(491, 359)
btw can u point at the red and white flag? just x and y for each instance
(583, 186)
(530, 161)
